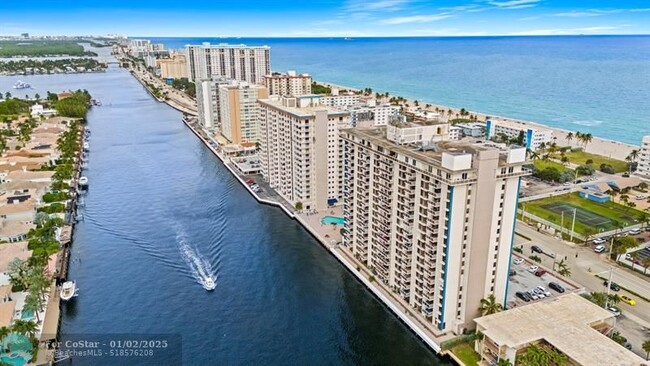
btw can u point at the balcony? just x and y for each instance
(405, 292)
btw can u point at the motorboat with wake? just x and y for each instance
(68, 290)
(208, 283)
(21, 85)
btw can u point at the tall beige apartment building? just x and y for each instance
(174, 67)
(237, 62)
(300, 150)
(434, 219)
(289, 84)
(239, 110)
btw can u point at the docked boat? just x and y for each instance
(86, 146)
(68, 290)
(83, 182)
(208, 283)
(20, 85)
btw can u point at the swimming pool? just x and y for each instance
(333, 220)
(26, 315)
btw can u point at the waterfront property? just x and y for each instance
(419, 209)
(300, 150)
(644, 158)
(207, 98)
(238, 62)
(569, 325)
(289, 83)
(238, 110)
(533, 136)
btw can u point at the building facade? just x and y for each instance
(174, 67)
(533, 136)
(418, 211)
(300, 149)
(238, 110)
(207, 100)
(237, 62)
(289, 84)
(644, 157)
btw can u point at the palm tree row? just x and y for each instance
(582, 138)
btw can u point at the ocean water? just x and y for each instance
(596, 84)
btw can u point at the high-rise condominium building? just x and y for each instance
(644, 157)
(289, 84)
(300, 149)
(239, 110)
(237, 62)
(434, 219)
(207, 100)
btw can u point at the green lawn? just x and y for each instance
(465, 353)
(596, 216)
(543, 164)
(581, 157)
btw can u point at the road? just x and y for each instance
(585, 264)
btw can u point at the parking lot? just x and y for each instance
(524, 281)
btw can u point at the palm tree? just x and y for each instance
(24, 327)
(4, 331)
(490, 306)
(634, 154)
(33, 303)
(569, 137)
(646, 348)
(504, 362)
(645, 264)
(533, 356)
(587, 138)
(563, 269)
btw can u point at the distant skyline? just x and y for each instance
(326, 18)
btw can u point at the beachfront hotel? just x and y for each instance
(300, 149)
(237, 62)
(644, 158)
(288, 84)
(238, 110)
(534, 136)
(433, 219)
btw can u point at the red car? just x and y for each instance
(249, 181)
(540, 272)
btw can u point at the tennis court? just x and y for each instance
(582, 215)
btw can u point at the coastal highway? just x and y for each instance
(585, 264)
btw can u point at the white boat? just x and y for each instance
(83, 181)
(86, 146)
(208, 283)
(20, 85)
(68, 290)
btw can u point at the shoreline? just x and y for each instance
(599, 145)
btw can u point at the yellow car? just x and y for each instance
(627, 300)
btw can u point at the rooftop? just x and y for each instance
(304, 112)
(431, 155)
(17, 207)
(564, 322)
(6, 313)
(10, 251)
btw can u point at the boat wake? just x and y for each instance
(200, 267)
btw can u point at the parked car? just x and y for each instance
(540, 272)
(556, 286)
(628, 300)
(614, 311)
(533, 269)
(634, 232)
(518, 261)
(614, 286)
(533, 295)
(536, 249)
(544, 291)
(522, 296)
(599, 249)
(599, 241)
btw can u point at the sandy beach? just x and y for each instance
(600, 146)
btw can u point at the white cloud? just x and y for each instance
(370, 5)
(514, 4)
(640, 10)
(588, 13)
(417, 18)
(567, 31)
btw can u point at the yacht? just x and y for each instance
(68, 290)
(208, 283)
(21, 85)
(83, 182)
(86, 146)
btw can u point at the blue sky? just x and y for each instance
(354, 18)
